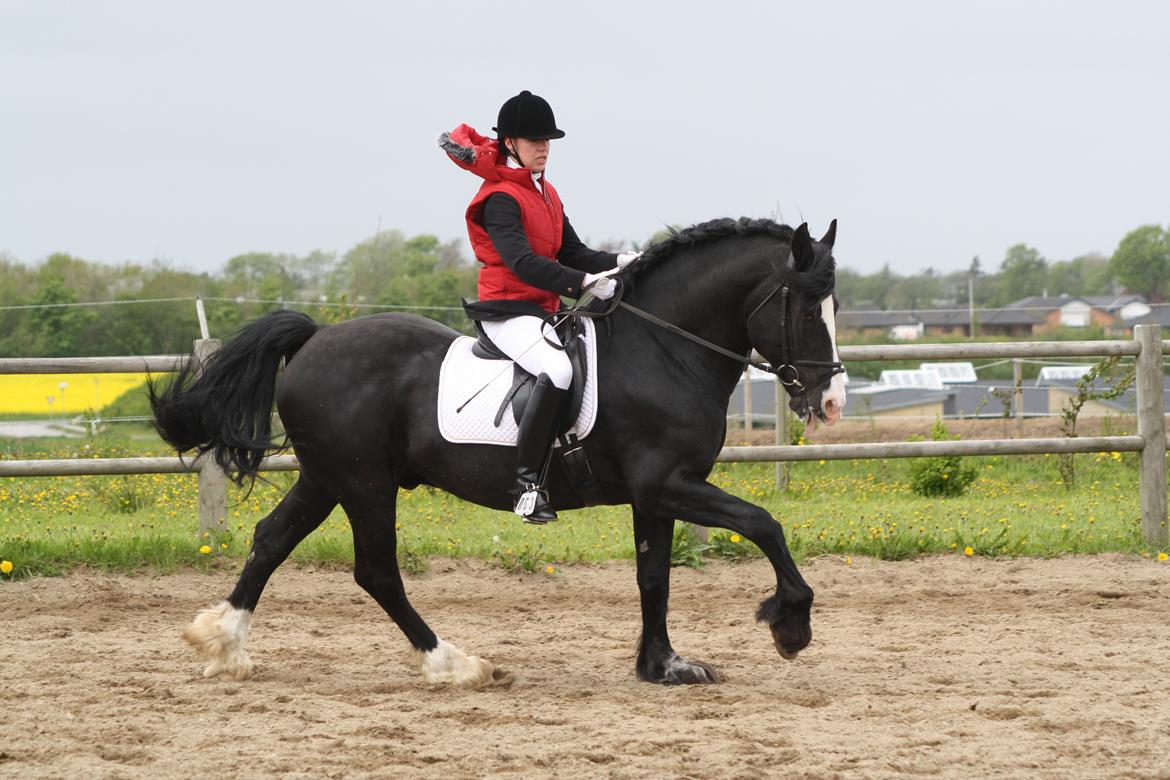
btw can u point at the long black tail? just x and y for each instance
(225, 406)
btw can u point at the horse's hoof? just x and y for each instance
(218, 634)
(789, 650)
(236, 667)
(680, 671)
(450, 665)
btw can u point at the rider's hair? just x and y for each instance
(505, 151)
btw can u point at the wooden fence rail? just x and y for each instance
(73, 467)
(1151, 440)
(155, 364)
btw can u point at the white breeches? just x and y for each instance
(520, 339)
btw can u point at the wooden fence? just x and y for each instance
(1146, 347)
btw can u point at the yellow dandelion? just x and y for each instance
(6, 566)
(550, 570)
(734, 538)
(205, 550)
(1161, 556)
(968, 551)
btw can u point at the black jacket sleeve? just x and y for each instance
(501, 219)
(576, 255)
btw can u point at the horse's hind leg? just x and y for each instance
(657, 660)
(219, 633)
(371, 511)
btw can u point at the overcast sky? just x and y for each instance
(934, 131)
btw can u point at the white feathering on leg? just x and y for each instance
(448, 664)
(218, 634)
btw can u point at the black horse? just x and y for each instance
(358, 403)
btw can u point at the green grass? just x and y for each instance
(1017, 506)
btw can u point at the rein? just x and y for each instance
(786, 372)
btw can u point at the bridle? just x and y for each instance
(786, 373)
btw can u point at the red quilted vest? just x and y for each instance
(542, 215)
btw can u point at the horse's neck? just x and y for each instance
(707, 299)
(705, 295)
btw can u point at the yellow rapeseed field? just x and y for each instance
(60, 394)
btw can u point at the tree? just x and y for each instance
(261, 275)
(311, 272)
(1023, 273)
(382, 265)
(57, 330)
(849, 289)
(1095, 273)
(161, 328)
(915, 292)
(882, 284)
(18, 285)
(1142, 262)
(1084, 275)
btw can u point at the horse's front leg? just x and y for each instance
(657, 660)
(697, 501)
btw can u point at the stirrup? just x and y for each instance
(532, 505)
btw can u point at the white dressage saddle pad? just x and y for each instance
(462, 374)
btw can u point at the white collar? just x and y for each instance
(536, 177)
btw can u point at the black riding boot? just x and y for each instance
(538, 428)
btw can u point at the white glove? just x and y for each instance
(625, 258)
(601, 286)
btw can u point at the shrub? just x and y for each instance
(125, 496)
(686, 549)
(944, 476)
(732, 546)
(526, 560)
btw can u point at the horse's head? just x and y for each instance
(792, 324)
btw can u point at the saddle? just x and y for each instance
(572, 453)
(570, 333)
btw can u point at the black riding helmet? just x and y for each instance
(527, 116)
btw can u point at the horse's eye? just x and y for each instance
(809, 316)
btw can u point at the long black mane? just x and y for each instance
(814, 283)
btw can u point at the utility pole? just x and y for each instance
(974, 271)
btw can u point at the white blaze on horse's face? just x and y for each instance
(833, 399)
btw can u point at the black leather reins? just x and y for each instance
(786, 372)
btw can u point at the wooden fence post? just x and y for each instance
(212, 479)
(1018, 389)
(1151, 422)
(747, 400)
(782, 467)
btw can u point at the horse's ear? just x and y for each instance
(831, 235)
(802, 250)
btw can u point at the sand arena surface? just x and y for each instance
(944, 667)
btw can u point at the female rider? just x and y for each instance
(530, 256)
